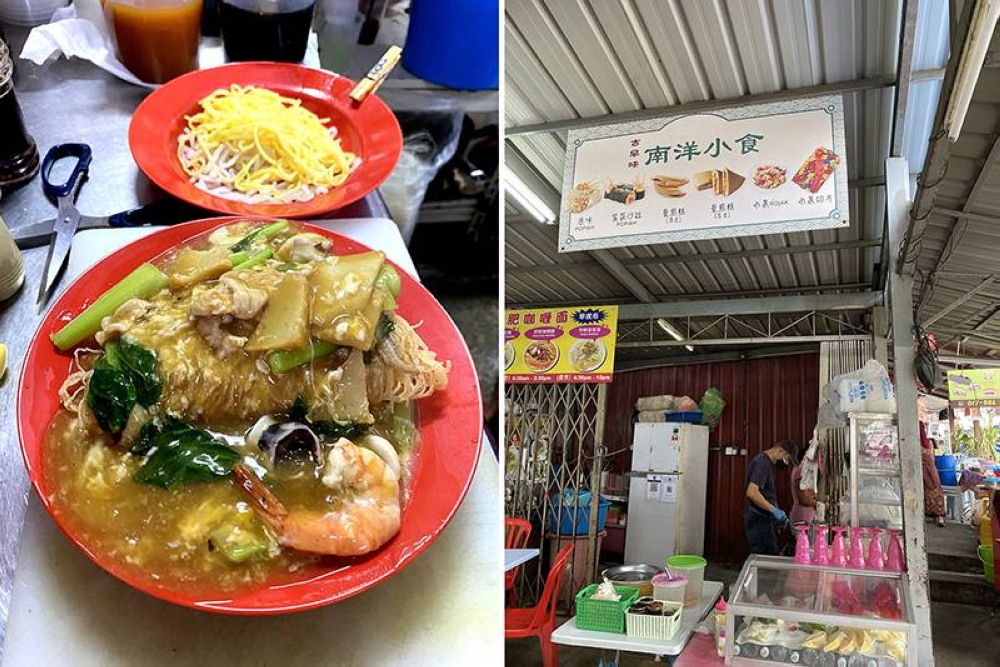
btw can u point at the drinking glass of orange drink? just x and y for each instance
(156, 40)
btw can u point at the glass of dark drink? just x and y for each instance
(18, 154)
(265, 29)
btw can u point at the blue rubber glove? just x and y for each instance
(778, 515)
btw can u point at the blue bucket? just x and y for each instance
(575, 523)
(947, 469)
(455, 43)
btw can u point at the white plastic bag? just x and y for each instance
(865, 390)
(648, 403)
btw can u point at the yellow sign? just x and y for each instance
(974, 388)
(565, 345)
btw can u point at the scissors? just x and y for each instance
(68, 218)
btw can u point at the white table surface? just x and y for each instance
(514, 557)
(570, 635)
(442, 609)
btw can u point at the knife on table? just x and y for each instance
(161, 212)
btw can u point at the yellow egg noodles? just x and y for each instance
(255, 146)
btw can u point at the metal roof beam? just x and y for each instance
(613, 266)
(779, 304)
(709, 105)
(758, 340)
(904, 66)
(958, 302)
(965, 215)
(751, 252)
(702, 257)
(772, 291)
(938, 147)
(955, 360)
(960, 227)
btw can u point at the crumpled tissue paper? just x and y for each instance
(74, 37)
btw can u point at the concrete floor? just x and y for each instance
(477, 318)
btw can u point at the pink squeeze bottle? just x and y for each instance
(875, 558)
(894, 563)
(838, 559)
(820, 554)
(857, 557)
(802, 545)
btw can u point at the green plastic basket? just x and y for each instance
(604, 615)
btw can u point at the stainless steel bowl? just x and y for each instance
(631, 574)
(638, 576)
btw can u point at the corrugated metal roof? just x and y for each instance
(957, 255)
(591, 58)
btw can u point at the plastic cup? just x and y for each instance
(669, 590)
(157, 40)
(29, 13)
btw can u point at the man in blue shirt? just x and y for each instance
(762, 503)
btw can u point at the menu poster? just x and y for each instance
(974, 388)
(756, 169)
(560, 345)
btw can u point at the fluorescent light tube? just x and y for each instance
(527, 199)
(673, 332)
(973, 55)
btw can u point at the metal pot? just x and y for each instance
(638, 576)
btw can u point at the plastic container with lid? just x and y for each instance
(669, 590)
(692, 567)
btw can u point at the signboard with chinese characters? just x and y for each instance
(974, 388)
(564, 345)
(760, 169)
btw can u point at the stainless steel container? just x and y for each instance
(639, 576)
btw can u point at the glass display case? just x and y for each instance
(819, 616)
(876, 495)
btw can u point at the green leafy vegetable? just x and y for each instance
(326, 428)
(181, 453)
(299, 410)
(238, 544)
(111, 395)
(383, 329)
(140, 365)
(262, 232)
(126, 374)
(142, 283)
(333, 430)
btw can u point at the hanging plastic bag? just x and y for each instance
(865, 390)
(711, 406)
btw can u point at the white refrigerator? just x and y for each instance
(667, 488)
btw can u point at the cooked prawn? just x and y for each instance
(365, 518)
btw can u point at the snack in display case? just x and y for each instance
(816, 169)
(851, 618)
